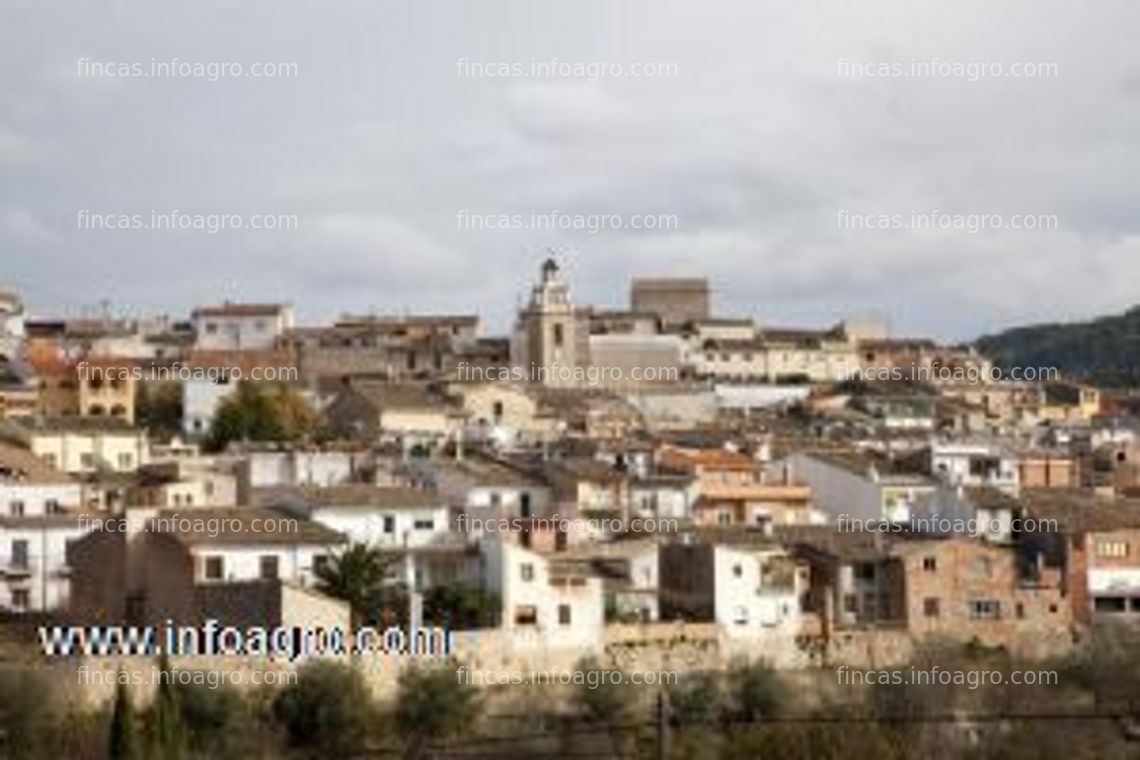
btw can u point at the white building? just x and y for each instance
(185, 483)
(240, 327)
(665, 497)
(33, 560)
(88, 445)
(30, 488)
(38, 516)
(974, 465)
(244, 543)
(757, 591)
(201, 397)
(547, 604)
(489, 490)
(12, 317)
(384, 517)
(630, 570)
(298, 467)
(851, 486)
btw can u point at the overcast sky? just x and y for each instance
(754, 141)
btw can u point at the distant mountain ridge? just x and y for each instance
(1104, 351)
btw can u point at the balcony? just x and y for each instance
(14, 570)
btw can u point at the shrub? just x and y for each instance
(431, 704)
(326, 712)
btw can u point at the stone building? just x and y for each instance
(551, 337)
(677, 300)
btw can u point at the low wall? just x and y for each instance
(496, 657)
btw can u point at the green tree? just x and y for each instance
(219, 720)
(124, 728)
(361, 576)
(261, 412)
(432, 704)
(696, 699)
(603, 694)
(327, 711)
(458, 607)
(755, 691)
(158, 406)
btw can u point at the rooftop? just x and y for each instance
(241, 310)
(365, 495)
(241, 526)
(22, 467)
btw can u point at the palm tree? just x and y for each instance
(359, 575)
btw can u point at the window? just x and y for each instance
(985, 609)
(1110, 604)
(741, 616)
(268, 567)
(211, 328)
(524, 504)
(724, 517)
(126, 461)
(16, 508)
(559, 336)
(424, 524)
(737, 571)
(930, 607)
(497, 410)
(1019, 611)
(20, 553)
(389, 524)
(496, 499)
(564, 614)
(1112, 549)
(21, 598)
(215, 568)
(320, 563)
(929, 564)
(87, 461)
(50, 460)
(983, 567)
(526, 614)
(865, 571)
(52, 506)
(526, 571)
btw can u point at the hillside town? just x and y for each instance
(645, 485)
